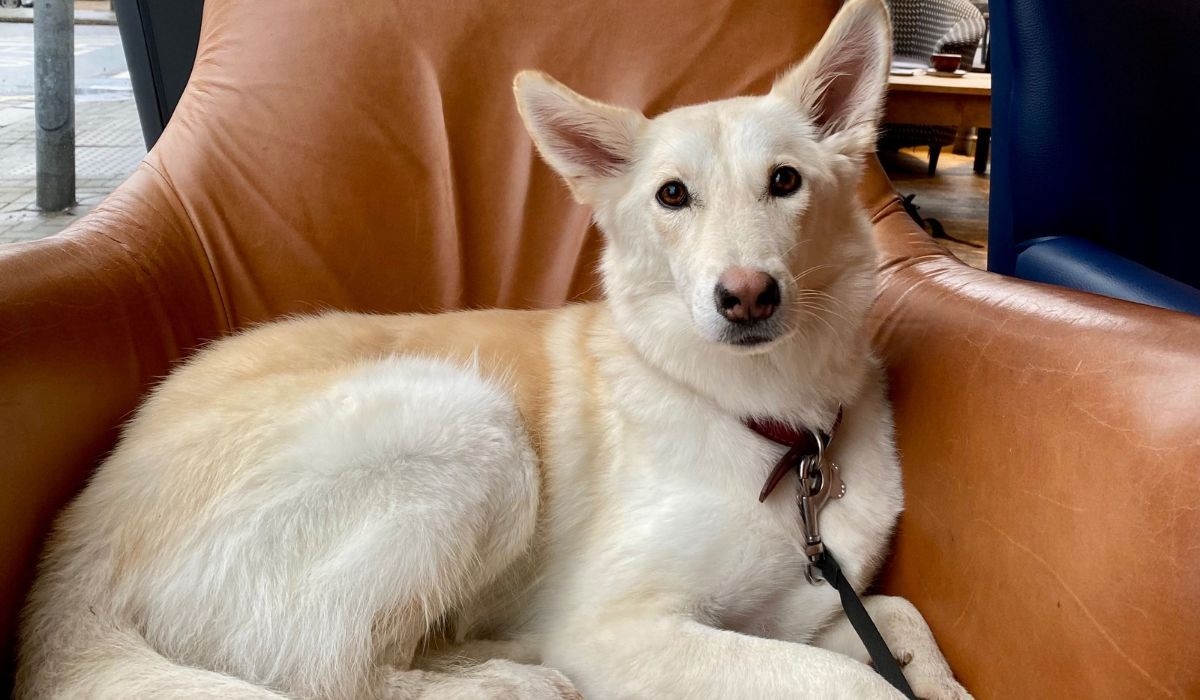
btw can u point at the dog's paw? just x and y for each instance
(508, 680)
(917, 652)
(931, 683)
(495, 679)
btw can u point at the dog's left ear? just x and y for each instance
(586, 141)
(841, 84)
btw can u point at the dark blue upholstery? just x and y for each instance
(1094, 137)
(160, 39)
(1081, 264)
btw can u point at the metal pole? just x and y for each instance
(54, 102)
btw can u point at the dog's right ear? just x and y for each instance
(586, 141)
(842, 82)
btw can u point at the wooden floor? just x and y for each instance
(956, 197)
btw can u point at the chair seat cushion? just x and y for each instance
(1081, 264)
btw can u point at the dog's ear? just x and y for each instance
(841, 84)
(585, 141)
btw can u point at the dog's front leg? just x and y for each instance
(911, 641)
(676, 657)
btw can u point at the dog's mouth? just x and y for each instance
(754, 336)
(750, 340)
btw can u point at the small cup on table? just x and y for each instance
(945, 62)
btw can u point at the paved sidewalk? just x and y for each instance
(108, 146)
(108, 138)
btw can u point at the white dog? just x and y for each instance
(529, 504)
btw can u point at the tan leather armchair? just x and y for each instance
(368, 156)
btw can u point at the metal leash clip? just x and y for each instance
(819, 481)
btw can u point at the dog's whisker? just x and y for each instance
(820, 308)
(822, 319)
(807, 308)
(795, 245)
(815, 268)
(806, 293)
(834, 309)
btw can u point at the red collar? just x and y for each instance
(801, 442)
(778, 432)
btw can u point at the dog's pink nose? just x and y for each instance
(744, 295)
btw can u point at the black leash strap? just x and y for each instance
(820, 481)
(881, 656)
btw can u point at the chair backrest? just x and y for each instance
(921, 27)
(370, 156)
(1093, 124)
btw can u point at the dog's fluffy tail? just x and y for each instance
(86, 653)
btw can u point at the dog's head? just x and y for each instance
(737, 220)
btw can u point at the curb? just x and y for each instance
(82, 17)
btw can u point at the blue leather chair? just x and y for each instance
(1095, 147)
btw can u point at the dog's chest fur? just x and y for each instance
(693, 521)
(690, 523)
(651, 499)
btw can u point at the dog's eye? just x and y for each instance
(784, 181)
(673, 195)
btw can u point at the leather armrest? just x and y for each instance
(88, 320)
(1051, 449)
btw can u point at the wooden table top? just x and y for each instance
(969, 84)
